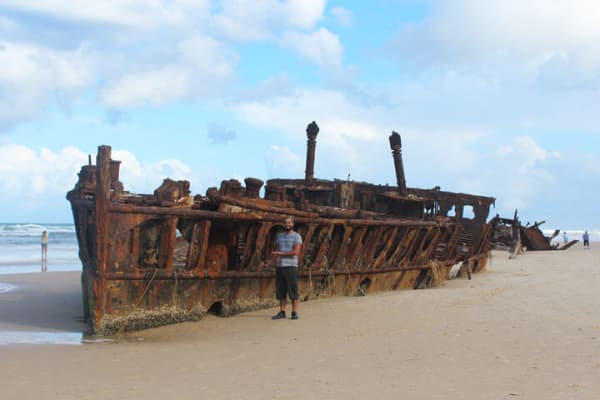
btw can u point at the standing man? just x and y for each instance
(288, 243)
(586, 240)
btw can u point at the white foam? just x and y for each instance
(6, 287)
(28, 337)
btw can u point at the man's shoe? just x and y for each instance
(279, 315)
(294, 315)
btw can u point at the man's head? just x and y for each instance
(288, 224)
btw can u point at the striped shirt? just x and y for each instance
(286, 242)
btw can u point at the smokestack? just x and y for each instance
(312, 130)
(396, 146)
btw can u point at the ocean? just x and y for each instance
(20, 248)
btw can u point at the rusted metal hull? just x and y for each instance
(152, 260)
(510, 234)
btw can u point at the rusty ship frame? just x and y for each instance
(151, 260)
(509, 234)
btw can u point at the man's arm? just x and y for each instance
(296, 250)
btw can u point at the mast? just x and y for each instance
(312, 130)
(396, 146)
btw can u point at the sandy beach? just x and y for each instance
(526, 328)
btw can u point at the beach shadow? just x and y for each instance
(28, 309)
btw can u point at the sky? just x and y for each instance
(496, 98)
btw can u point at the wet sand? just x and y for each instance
(527, 328)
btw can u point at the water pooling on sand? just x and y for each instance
(6, 287)
(30, 337)
(62, 338)
(8, 337)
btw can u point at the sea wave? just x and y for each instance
(21, 230)
(573, 234)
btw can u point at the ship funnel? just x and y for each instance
(312, 130)
(396, 146)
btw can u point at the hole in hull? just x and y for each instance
(364, 287)
(216, 309)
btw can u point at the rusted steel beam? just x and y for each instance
(568, 244)
(199, 245)
(215, 215)
(259, 246)
(388, 240)
(253, 205)
(537, 224)
(102, 219)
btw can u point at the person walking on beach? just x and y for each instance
(288, 244)
(44, 250)
(565, 238)
(586, 240)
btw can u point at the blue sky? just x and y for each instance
(498, 98)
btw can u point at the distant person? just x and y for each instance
(565, 237)
(288, 243)
(44, 251)
(586, 240)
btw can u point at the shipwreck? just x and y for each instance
(510, 234)
(150, 260)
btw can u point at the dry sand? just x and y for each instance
(527, 328)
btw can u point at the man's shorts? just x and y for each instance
(286, 280)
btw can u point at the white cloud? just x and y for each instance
(282, 162)
(303, 13)
(145, 177)
(334, 113)
(139, 14)
(519, 172)
(201, 65)
(525, 154)
(242, 22)
(343, 16)
(284, 21)
(28, 173)
(272, 87)
(153, 87)
(36, 181)
(29, 74)
(497, 37)
(321, 47)
(207, 56)
(138, 52)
